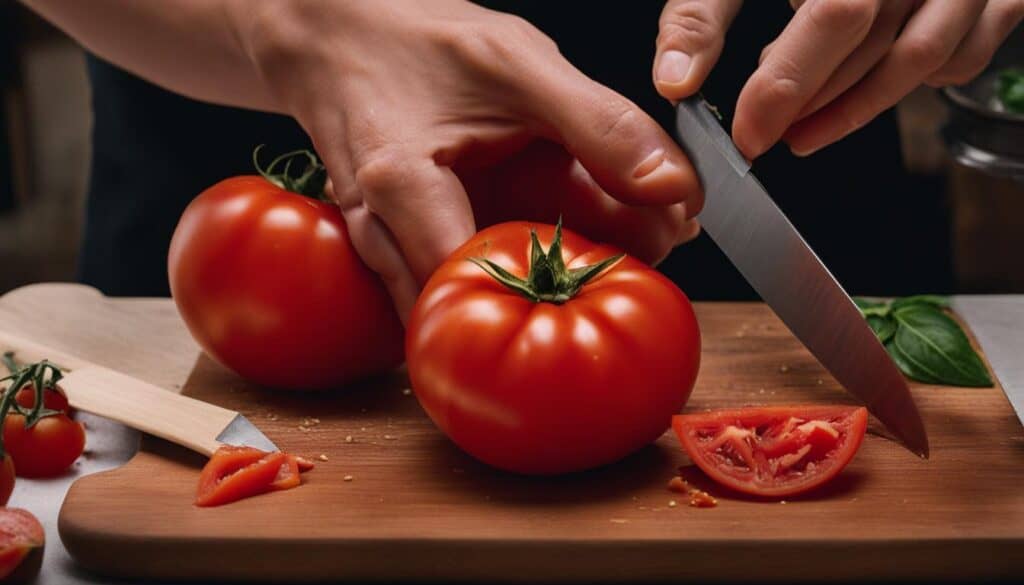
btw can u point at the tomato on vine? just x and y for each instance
(39, 440)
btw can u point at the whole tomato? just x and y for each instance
(6, 478)
(268, 282)
(550, 361)
(45, 449)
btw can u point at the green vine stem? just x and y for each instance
(549, 280)
(309, 182)
(42, 376)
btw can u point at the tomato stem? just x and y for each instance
(549, 280)
(310, 181)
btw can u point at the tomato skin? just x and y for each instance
(234, 473)
(775, 452)
(52, 399)
(269, 284)
(46, 449)
(6, 479)
(543, 388)
(21, 545)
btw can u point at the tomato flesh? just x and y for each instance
(773, 451)
(234, 473)
(46, 449)
(21, 544)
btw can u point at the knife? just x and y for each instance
(764, 246)
(197, 425)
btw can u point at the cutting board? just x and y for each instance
(416, 508)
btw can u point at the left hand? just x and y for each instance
(837, 64)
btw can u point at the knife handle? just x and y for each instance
(104, 392)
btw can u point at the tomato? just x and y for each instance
(53, 398)
(775, 451)
(544, 373)
(21, 545)
(46, 449)
(269, 284)
(6, 479)
(234, 473)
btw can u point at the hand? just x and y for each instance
(838, 63)
(405, 100)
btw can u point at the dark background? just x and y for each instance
(881, 229)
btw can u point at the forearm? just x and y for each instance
(188, 46)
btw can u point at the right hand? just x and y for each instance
(406, 101)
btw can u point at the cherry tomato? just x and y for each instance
(570, 378)
(21, 545)
(53, 399)
(234, 473)
(46, 449)
(773, 451)
(6, 479)
(268, 283)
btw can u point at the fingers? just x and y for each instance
(626, 151)
(690, 39)
(996, 22)
(928, 40)
(820, 37)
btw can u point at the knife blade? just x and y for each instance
(191, 423)
(759, 240)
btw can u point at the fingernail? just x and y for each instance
(650, 164)
(673, 67)
(803, 153)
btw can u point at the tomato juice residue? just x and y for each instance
(698, 498)
(234, 473)
(794, 447)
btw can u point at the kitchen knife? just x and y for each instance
(764, 246)
(191, 423)
(997, 322)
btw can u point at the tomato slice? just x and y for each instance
(773, 451)
(21, 545)
(234, 473)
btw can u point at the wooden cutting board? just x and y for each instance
(416, 508)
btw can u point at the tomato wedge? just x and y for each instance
(234, 473)
(21, 545)
(775, 451)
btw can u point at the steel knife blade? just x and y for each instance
(759, 240)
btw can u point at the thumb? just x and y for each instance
(690, 39)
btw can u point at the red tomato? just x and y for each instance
(234, 473)
(773, 451)
(53, 399)
(46, 449)
(6, 479)
(269, 285)
(569, 380)
(21, 545)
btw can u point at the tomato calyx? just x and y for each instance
(310, 181)
(549, 280)
(41, 377)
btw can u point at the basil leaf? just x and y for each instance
(909, 368)
(933, 347)
(869, 307)
(939, 301)
(1010, 89)
(884, 327)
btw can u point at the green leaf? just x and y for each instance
(1010, 89)
(884, 327)
(939, 301)
(909, 368)
(869, 307)
(934, 347)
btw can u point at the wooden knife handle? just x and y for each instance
(93, 388)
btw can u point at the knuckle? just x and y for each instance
(843, 14)
(925, 53)
(688, 25)
(617, 120)
(496, 49)
(781, 82)
(380, 173)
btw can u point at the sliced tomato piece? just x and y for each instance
(21, 545)
(773, 451)
(234, 473)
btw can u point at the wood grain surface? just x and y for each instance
(415, 508)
